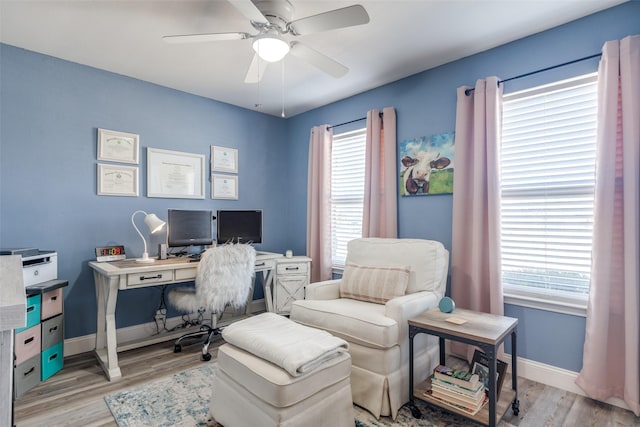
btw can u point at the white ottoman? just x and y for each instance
(249, 391)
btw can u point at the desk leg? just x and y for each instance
(106, 341)
(267, 280)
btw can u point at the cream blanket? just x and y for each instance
(296, 348)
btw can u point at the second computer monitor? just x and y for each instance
(239, 226)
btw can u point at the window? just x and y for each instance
(347, 192)
(547, 187)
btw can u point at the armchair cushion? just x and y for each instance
(374, 284)
(355, 321)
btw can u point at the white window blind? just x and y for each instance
(347, 192)
(547, 188)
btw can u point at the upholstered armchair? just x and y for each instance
(385, 283)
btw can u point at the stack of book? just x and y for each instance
(457, 388)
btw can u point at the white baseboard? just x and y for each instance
(553, 376)
(87, 343)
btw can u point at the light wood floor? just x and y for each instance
(74, 396)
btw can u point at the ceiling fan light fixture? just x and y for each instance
(270, 47)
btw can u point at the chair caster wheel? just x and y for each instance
(177, 348)
(206, 357)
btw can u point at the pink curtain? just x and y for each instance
(475, 250)
(611, 358)
(319, 203)
(380, 213)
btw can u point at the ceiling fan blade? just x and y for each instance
(211, 37)
(248, 9)
(338, 18)
(318, 60)
(256, 70)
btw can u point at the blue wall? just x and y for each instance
(426, 104)
(50, 110)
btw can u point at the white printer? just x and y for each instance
(37, 266)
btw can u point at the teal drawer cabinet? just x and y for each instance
(45, 329)
(51, 361)
(33, 312)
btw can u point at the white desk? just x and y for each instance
(111, 277)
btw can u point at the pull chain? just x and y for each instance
(258, 105)
(282, 114)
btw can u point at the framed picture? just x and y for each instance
(224, 187)
(426, 165)
(116, 180)
(174, 174)
(480, 366)
(118, 146)
(224, 159)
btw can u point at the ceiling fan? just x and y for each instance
(272, 20)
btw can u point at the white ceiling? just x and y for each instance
(402, 38)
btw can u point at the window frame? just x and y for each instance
(549, 300)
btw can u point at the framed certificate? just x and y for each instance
(117, 180)
(175, 174)
(118, 146)
(224, 187)
(224, 159)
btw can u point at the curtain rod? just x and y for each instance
(380, 114)
(468, 91)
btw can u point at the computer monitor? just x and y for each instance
(239, 226)
(189, 227)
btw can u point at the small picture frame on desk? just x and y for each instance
(480, 366)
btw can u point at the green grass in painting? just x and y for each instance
(441, 181)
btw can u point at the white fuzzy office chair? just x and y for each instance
(224, 278)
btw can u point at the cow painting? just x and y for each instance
(425, 161)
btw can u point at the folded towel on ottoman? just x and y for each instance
(296, 348)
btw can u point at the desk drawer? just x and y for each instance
(268, 264)
(292, 268)
(186, 273)
(149, 278)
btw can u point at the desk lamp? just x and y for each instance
(155, 224)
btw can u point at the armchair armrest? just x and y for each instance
(403, 308)
(328, 289)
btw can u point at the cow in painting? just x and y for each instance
(419, 168)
